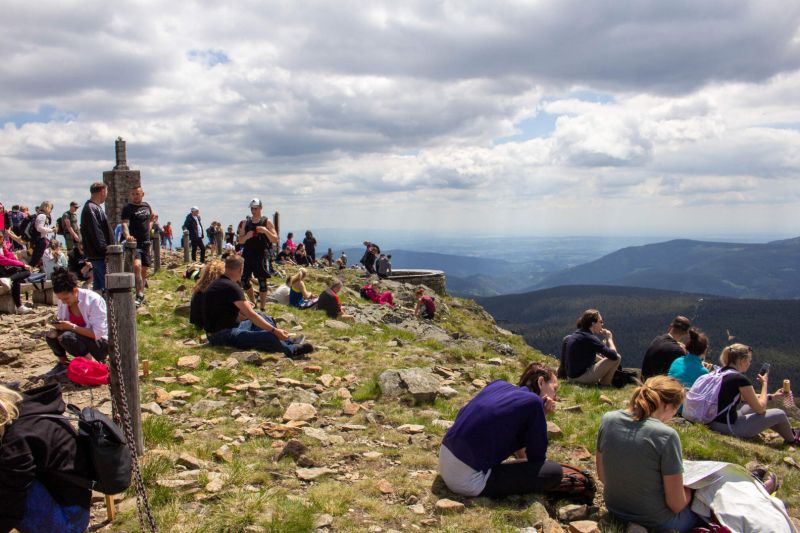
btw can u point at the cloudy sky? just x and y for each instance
(535, 117)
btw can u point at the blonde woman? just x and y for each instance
(42, 230)
(640, 460)
(34, 449)
(742, 412)
(298, 294)
(210, 273)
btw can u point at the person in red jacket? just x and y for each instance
(12, 273)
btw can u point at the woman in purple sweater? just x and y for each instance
(503, 419)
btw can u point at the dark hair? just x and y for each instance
(589, 317)
(63, 281)
(234, 262)
(655, 392)
(308, 233)
(289, 235)
(96, 187)
(530, 378)
(681, 323)
(698, 342)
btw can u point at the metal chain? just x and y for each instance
(121, 407)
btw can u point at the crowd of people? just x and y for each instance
(498, 443)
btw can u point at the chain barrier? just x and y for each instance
(121, 407)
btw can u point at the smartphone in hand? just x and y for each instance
(764, 369)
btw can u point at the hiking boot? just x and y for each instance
(24, 310)
(303, 350)
(58, 371)
(297, 339)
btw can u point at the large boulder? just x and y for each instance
(420, 384)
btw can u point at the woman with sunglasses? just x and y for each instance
(742, 412)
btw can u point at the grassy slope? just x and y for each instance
(260, 492)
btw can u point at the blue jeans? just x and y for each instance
(98, 274)
(43, 513)
(684, 521)
(248, 336)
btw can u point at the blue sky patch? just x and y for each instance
(209, 57)
(44, 114)
(539, 126)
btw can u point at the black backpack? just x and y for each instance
(108, 453)
(27, 227)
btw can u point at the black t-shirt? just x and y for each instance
(731, 382)
(663, 350)
(196, 309)
(230, 237)
(138, 217)
(311, 244)
(219, 308)
(258, 244)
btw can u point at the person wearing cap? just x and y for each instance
(256, 235)
(69, 221)
(194, 226)
(666, 348)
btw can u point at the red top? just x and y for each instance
(77, 320)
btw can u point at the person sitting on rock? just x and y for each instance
(426, 307)
(589, 353)
(82, 326)
(230, 320)
(78, 264)
(300, 256)
(285, 256)
(503, 419)
(210, 273)
(53, 258)
(689, 367)
(383, 266)
(13, 272)
(34, 450)
(330, 303)
(639, 459)
(664, 349)
(327, 259)
(368, 292)
(341, 263)
(298, 294)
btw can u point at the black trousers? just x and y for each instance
(16, 291)
(198, 243)
(39, 246)
(69, 342)
(522, 477)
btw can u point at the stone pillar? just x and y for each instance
(119, 181)
(155, 247)
(130, 252)
(276, 221)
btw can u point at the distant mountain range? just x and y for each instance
(637, 315)
(769, 270)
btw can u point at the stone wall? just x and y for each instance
(435, 279)
(119, 181)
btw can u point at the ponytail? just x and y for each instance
(655, 392)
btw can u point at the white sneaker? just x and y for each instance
(24, 310)
(6, 282)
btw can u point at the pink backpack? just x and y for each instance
(85, 372)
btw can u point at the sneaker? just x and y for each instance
(297, 339)
(56, 372)
(24, 310)
(302, 350)
(139, 299)
(5, 282)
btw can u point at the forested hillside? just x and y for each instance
(768, 270)
(637, 315)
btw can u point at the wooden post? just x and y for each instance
(114, 259)
(130, 252)
(276, 221)
(111, 508)
(145, 368)
(186, 246)
(119, 287)
(155, 248)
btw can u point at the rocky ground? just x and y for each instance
(346, 440)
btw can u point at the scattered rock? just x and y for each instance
(445, 506)
(310, 474)
(421, 384)
(312, 369)
(447, 392)
(300, 411)
(224, 454)
(326, 379)
(189, 461)
(633, 527)
(323, 520)
(446, 424)
(215, 485)
(572, 512)
(584, 526)
(791, 462)
(606, 399)
(336, 324)
(372, 455)
(495, 361)
(253, 358)
(204, 406)
(190, 362)
(417, 508)
(350, 408)
(344, 394)
(153, 408)
(384, 487)
(553, 430)
(188, 379)
(411, 429)
(478, 383)
(572, 409)
(293, 448)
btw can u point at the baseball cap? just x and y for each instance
(74, 204)
(195, 208)
(255, 202)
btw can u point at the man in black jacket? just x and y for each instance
(194, 226)
(96, 234)
(664, 349)
(35, 449)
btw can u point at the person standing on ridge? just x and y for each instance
(666, 348)
(194, 226)
(257, 235)
(137, 219)
(310, 244)
(96, 234)
(71, 229)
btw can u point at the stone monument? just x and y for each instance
(119, 181)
